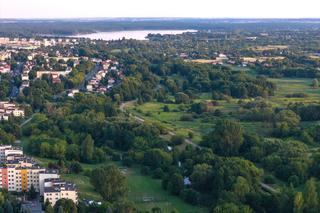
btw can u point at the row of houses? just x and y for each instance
(55, 75)
(4, 67)
(25, 74)
(8, 109)
(19, 173)
(94, 84)
(5, 55)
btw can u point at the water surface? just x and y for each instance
(135, 34)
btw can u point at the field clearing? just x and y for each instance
(287, 86)
(202, 61)
(262, 59)
(153, 112)
(145, 188)
(141, 189)
(270, 47)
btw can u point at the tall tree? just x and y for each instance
(298, 203)
(66, 205)
(32, 192)
(226, 139)
(311, 197)
(110, 183)
(175, 184)
(8, 207)
(87, 149)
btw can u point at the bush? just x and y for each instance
(297, 95)
(127, 161)
(75, 167)
(186, 117)
(158, 173)
(217, 113)
(190, 196)
(269, 179)
(148, 114)
(294, 180)
(177, 140)
(164, 183)
(145, 170)
(166, 108)
(116, 157)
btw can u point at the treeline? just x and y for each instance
(149, 81)
(75, 130)
(72, 27)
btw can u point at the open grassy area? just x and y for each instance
(141, 188)
(287, 86)
(85, 189)
(153, 112)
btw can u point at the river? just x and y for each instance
(134, 34)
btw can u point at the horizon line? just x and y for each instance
(204, 18)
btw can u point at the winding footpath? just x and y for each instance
(141, 120)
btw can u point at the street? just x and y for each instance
(16, 72)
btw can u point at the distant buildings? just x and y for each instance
(55, 75)
(5, 55)
(4, 68)
(31, 44)
(8, 109)
(94, 84)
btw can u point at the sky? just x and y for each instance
(160, 8)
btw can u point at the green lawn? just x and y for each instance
(84, 187)
(287, 86)
(146, 187)
(153, 112)
(140, 188)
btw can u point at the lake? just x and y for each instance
(134, 34)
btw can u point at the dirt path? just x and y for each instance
(141, 120)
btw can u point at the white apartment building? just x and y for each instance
(7, 150)
(55, 189)
(19, 173)
(48, 174)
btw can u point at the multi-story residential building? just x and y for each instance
(20, 179)
(4, 67)
(19, 173)
(4, 54)
(7, 150)
(48, 174)
(8, 109)
(55, 189)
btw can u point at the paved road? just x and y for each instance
(27, 121)
(89, 76)
(15, 90)
(268, 188)
(81, 87)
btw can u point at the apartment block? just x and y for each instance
(55, 189)
(18, 173)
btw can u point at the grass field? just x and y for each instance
(140, 188)
(287, 86)
(153, 112)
